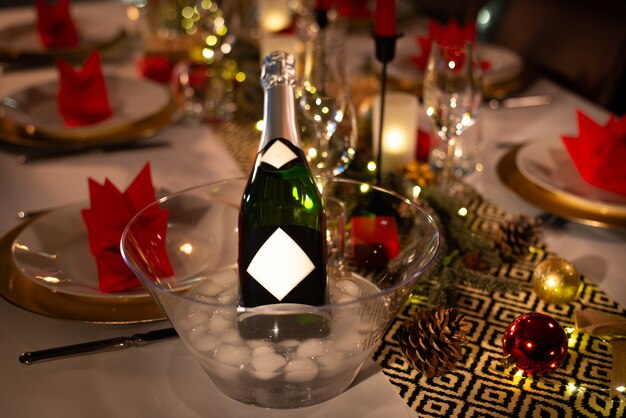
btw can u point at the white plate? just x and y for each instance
(55, 245)
(547, 163)
(505, 64)
(131, 101)
(20, 37)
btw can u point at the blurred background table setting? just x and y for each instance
(512, 148)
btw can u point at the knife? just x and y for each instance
(523, 101)
(117, 343)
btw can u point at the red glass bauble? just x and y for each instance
(535, 343)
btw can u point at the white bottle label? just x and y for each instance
(280, 264)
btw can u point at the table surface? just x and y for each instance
(163, 379)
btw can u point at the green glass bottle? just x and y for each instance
(282, 246)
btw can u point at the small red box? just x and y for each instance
(374, 240)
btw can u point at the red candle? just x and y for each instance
(385, 18)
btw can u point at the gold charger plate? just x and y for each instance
(559, 204)
(24, 293)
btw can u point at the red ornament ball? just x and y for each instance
(535, 342)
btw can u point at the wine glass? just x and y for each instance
(325, 110)
(451, 95)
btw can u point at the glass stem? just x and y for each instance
(448, 169)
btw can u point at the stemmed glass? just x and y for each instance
(451, 95)
(326, 114)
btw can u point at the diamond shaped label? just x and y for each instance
(278, 155)
(280, 264)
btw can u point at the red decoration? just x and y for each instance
(422, 150)
(599, 152)
(157, 68)
(106, 220)
(374, 240)
(323, 4)
(55, 25)
(385, 18)
(450, 35)
(355, 9)
(535, 343)
(82, 97)
(199, 76)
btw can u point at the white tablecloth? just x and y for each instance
(163, 380)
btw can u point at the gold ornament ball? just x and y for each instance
(556, 281)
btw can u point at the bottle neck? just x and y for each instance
(279, 115)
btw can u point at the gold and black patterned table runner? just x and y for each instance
(482, 386)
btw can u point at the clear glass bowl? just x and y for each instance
(378, 244)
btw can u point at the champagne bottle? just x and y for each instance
(282, 246)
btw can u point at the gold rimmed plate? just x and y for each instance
(547, 163)
(19, 40)
(18, 289)
(555, 201)
(30, 117)
(53, 251)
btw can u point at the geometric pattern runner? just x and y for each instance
(481, 386)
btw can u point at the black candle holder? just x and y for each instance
(321, 18)
(385, 52)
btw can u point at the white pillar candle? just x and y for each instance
(274, 15)
(399, 129)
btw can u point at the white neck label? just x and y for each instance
(278, 155)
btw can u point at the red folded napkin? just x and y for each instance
(55, 25)
(82, 97)
(106, 219)
(599, 152)
(374, 240)
(450, 34)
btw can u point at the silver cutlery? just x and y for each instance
(47, 154)
(27, 214)
(523, 101)
(109, 344)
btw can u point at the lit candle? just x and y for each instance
(399, 129)
(385, 18)
(274, 15)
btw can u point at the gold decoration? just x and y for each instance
(611, 327)
(419, 173)
(515, 236)
(556, 281)
(432, 340)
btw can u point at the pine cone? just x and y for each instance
(432, 340)
(515, 236)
